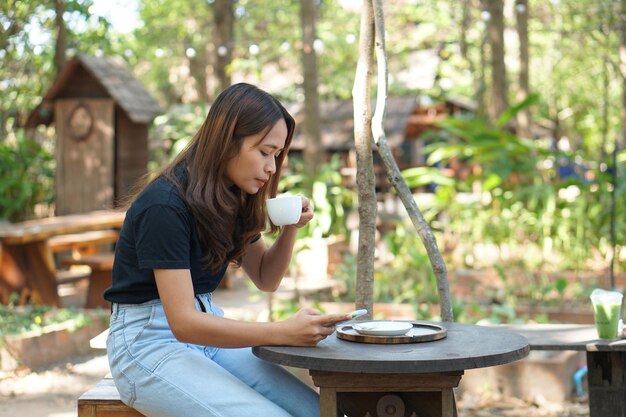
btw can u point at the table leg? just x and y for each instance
(99, 280)
(328, 403)
(31, 266)
(607, 383)
(360, 394)
(11, 279)
(448, 404)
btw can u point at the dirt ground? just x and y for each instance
(50, 392)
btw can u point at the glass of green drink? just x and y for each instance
(607, 311)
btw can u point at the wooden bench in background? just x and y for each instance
(606, 361)
(79, 245)
(103, 400)
(27, 263)
(101, 265)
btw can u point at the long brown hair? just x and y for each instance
(227, 219)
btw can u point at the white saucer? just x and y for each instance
(383, 328)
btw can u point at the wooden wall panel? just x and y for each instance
(84, 173)
(131, 154)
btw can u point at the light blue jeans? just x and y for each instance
(160, 376)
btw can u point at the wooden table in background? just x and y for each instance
(27, 262)
(396, 380)
(606, 361)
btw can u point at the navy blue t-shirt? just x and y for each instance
(159, 232)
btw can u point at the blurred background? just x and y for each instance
(506, 118)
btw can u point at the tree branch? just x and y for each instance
(393, 172)
(365, 164)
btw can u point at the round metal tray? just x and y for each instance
(421, 332)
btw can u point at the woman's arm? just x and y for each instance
(267, 267)
(306, 328)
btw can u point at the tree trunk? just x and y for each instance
(394, 175)
(481, 82)
(523, 116)
(365, 165)
(223, 16)
(606, 109)
(622, 56)
(495, 27)
(61, 40)
(466, 23)
(466, 20)
(198, 66)
(622, 66)
(313, 152)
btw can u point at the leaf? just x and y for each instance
(561, 285)
(492, 181)
(512, 111)
(420, 176)
(443, 152)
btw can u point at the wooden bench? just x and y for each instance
(101, 265)
(85, 243)
(79, 244)
(103, 400)
(73, 275)
(27, 263)
(606, 361)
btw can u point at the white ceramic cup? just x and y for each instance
(284, 210)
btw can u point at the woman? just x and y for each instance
(171, 351)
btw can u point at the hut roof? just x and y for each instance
(114, 76)
(337, 120)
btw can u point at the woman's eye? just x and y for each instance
(264, 153)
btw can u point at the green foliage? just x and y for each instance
(283, 309)
(26, 178)
(26, 71)
(22, 319)
(27, 52)
(521, 199)
(576, 45)
(423, 176)
(497, 314)
(346, 272)
(337, 29)
(574, 60)
(174, 34)
(406, 275)
(512, 197)
(173, 131)
(402, 275)
(330, 199)
(500, 154)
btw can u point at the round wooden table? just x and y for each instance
(397, 379)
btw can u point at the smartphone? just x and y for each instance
(358, 313)
(353, 315)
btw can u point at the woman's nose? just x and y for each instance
(270, 167)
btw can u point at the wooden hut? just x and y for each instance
(337, 133)
(101, 114)
(337, 120)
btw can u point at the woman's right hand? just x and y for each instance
(308, 327)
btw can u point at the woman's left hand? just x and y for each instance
(307, 213)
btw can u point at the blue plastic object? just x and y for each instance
(578, 380)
